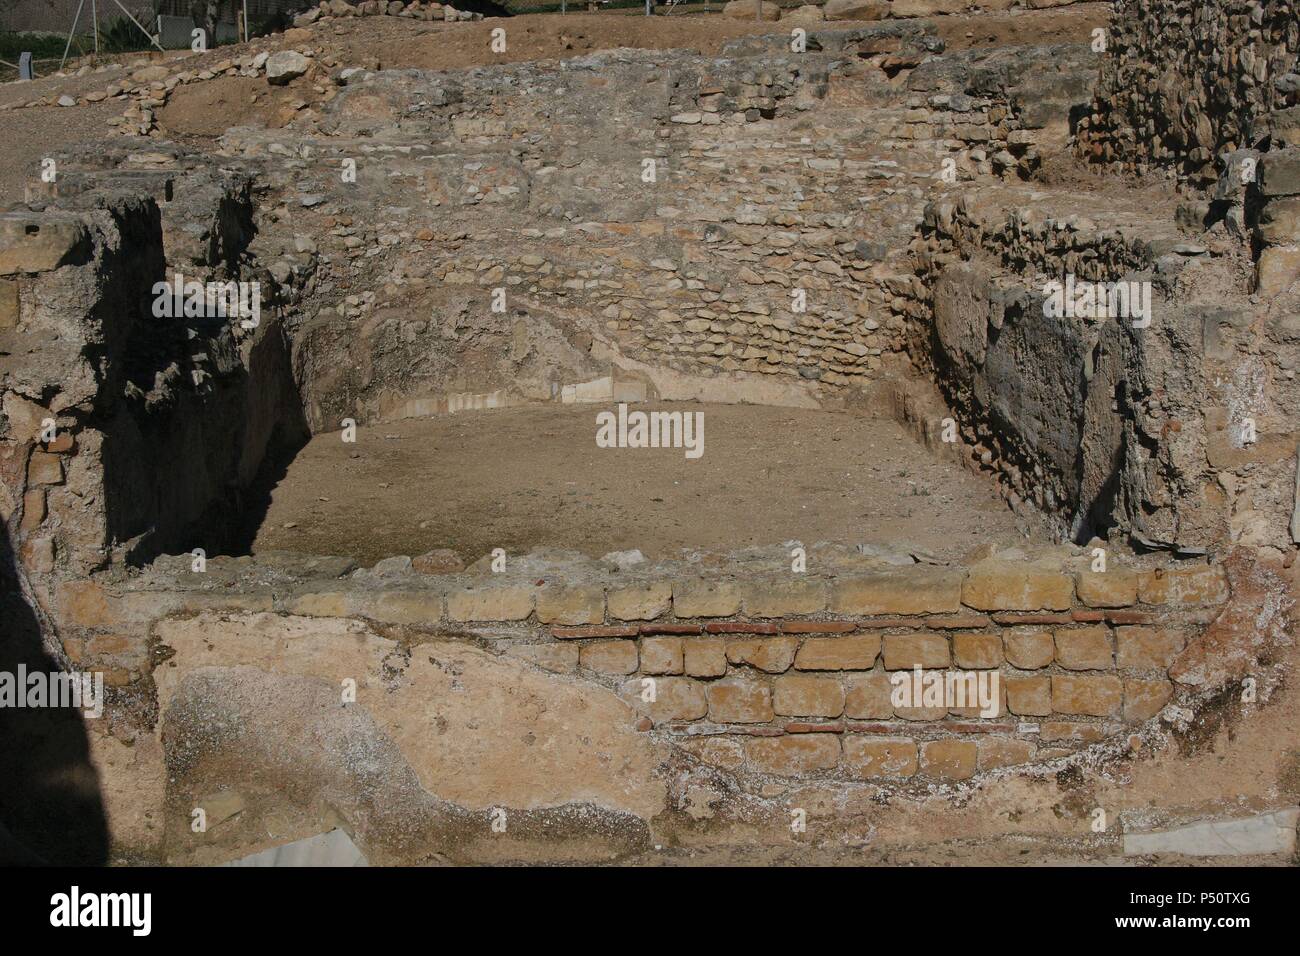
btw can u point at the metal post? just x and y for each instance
(245, 21)
(137, 23)
(647, 7)
(25, 67)
(94, 15)
(75, 19)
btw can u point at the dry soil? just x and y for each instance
(533, 477)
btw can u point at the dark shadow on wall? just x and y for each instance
(196, 470)
(51, 811)
(236, 536)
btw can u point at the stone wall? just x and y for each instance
(159, 425)
(1187, 81)
(1178, 436)
(688, 283)
(746, 682)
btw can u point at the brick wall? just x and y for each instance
(791, 675)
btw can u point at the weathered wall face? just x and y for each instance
(618, 709)
(1180, 434)
(1186, 81)
(1111, 427)
(124, 434)
(670, 244)
(773, 174)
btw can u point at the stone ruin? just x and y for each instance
(649, 215)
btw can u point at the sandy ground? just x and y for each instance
(529, 477)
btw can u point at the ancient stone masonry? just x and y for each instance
(1187, 81)
(747, 676)
(1156, 432)
(1042, 393)
(873, 226)
(1221, 112)
(750, 665)
(126, 433)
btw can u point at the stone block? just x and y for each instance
(751, 10)
(995, 585)
(1264, 834)
(1277, 271)
(806, 695)
(44, 469)
(609, 657)
(919, 590)
(1279, 222)
(739, 701)
(705, 656)
(673, 698)
(771, 654)
(1087, 695)
(702, 598)
(977, 651)
(949, 760)
(868, 697)
(31, 244)
(1279, 173)
(793, 754)
(1085, 649)
(661, 655)
(905, 651)
(868, 757)
(852, 652)
(1148, 648)
(402, 607)
(782, 597)
(855, 9)
(1071, 732)
(640, 602)
(1114, 588)
(1029, 650)
(491, 603)
(1029, 696)
(575, 605)
(1184, 586)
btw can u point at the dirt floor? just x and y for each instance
(528, 477)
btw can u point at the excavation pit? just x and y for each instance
(846, 248)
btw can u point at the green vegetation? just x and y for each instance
(42, 46)
(119, 35)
